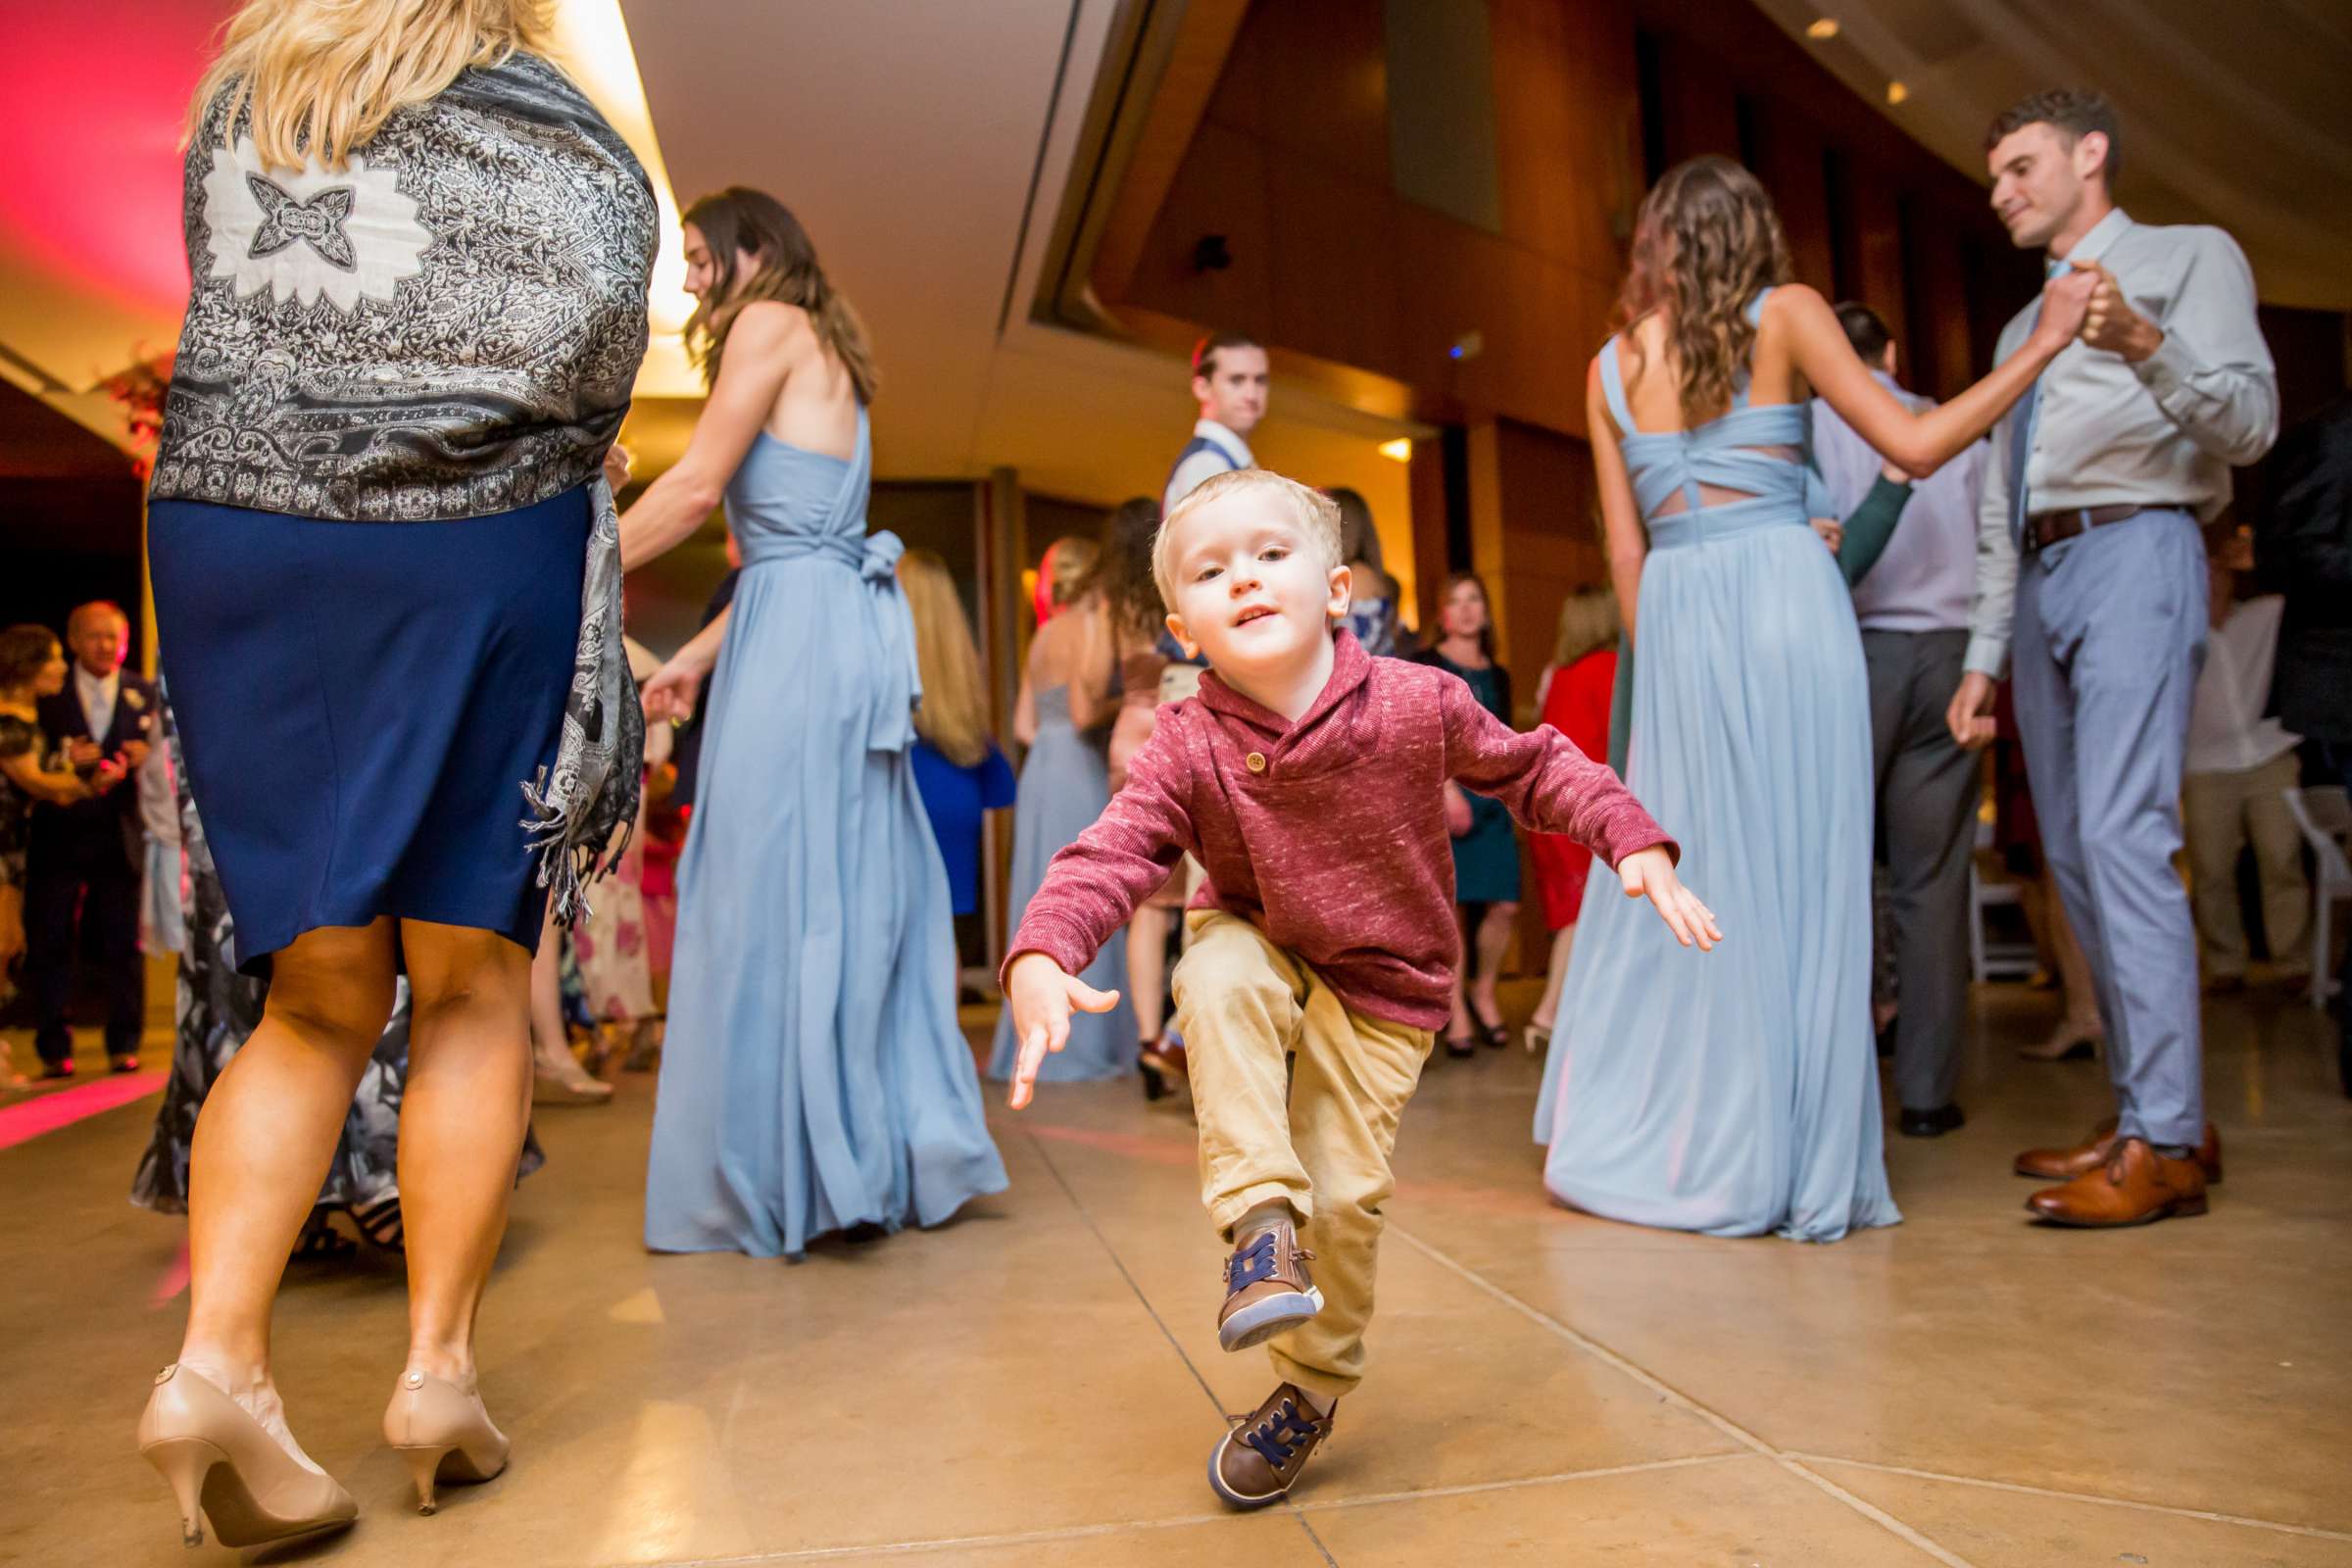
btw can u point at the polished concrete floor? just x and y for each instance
(1039, 1384)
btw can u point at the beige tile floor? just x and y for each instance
(1039, 1382)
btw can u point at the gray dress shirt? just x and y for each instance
(1922, 582)
(2162, 432)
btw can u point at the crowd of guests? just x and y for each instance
(1233, 750)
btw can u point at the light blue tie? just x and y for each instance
(2021, 423)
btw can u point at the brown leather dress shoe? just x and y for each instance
(2065, 1165)
(2136, 1186)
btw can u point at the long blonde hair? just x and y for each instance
(954, 715)
(740, 220)
(322, 76)
(1706, 240)
(1588, 624)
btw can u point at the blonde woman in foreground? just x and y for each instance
(374, 592)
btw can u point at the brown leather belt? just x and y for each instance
(2047, 528)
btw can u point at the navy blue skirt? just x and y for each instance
(360, 704)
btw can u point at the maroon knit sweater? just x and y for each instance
(1329, 835)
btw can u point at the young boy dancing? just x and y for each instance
(1309, 779)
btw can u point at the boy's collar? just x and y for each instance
(1351, 665)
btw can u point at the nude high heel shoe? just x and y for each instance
(443, 1432)
(224, 1465)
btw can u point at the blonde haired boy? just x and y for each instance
(1307, 777)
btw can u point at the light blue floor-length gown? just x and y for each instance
(1065, 782)
(1733, 1092)
(814, 1077)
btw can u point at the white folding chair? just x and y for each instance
(1988, 959)
(2324, 816)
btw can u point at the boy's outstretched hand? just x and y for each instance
(1042, 996)
(1649, 874)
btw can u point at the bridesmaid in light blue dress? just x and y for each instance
(1737, 1093)
(813, 1078)
(1066, 783)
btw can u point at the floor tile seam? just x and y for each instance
(1066, 1532)
(1036, 1146)
(1681, 1401)
(911, 1549)
(1473, 1489)
(2021, 1489)
(1590, 1345)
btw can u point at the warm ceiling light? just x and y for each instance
(1822, 29)
(1897, 92)
(1399, 450)
(592, 44)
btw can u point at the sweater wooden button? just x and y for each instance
(1256, 762)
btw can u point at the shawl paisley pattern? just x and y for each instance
(449, 328)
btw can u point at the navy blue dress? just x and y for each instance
(360, 703)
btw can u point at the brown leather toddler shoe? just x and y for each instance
(1267, 1289)
(2065, 1165)
(2136, 1186)
(1258, 1461)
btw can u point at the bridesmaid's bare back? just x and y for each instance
(816, 408)
(1653, 385)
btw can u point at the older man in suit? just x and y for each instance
(82, 870)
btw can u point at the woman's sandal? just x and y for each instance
(2068, 1042)
(379, 1222)
(320, 1242)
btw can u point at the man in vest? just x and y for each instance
(1229, 382)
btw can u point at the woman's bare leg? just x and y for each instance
(1148, 969)
(2074, 970)
(1563, 940)
(1493, 941)
(262, 1146)
(462, 1124)
(551, 1041)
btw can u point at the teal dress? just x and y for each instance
(815, 1078)
(1733, 1092)
(1485, 860)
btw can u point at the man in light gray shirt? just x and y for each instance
(1913, 610)
(2090, 574)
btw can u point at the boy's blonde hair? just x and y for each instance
(322, 76)
(1315, 513)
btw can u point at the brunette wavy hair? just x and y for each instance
(1706, 240)
(740, 220)
(1123, 574)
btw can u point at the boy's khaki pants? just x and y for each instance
(1244, 1007)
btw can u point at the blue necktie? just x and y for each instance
(2020, 422)
(2021, 444)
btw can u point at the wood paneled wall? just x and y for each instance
(1290, 166)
